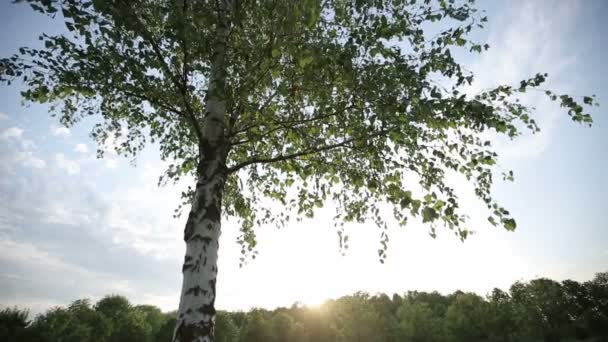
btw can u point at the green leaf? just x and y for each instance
(509, 224)
(429, 214)
(492, 221)
(303, 62)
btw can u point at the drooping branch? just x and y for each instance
(308, 151)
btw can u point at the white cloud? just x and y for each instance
(528, 40)
(82, 148)
(27, 158)
(70, 166)
(28, 144)
(86, 229)
(60, 131)
(111, 163)
(3, 116)
(12, 156)
(12, 132)
(35, 269)
(19, 252)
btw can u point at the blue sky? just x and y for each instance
(73, 226)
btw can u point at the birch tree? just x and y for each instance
(360, 104)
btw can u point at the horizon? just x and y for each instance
(314, 306)
(73, 226)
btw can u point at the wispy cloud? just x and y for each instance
(60, 131)
(99, 241)
(527, 40)
(72, 167)
(12, 132)
(3, 116)
(28, 144)
(110, 163)
(21, 153)
(31, 277)
(27, 158)
(81, 148)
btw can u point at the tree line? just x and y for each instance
(538, 310)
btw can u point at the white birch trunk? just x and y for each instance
(196, 312)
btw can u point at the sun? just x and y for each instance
(314, 300)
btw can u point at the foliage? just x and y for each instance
(226, 329)
(538, 310)
(12, 324)
(465, 319)
(355, 102)
(417, 323)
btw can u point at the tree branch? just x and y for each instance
(184, 46)
(293, 123)
(162, 105)
(175, 79)
(283, 157)
(246, 128)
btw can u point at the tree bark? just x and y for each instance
(196, 312)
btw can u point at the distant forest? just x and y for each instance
(538, 310)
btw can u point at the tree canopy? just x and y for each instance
(354, 102)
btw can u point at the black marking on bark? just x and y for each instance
(202, 199)
(189, 332)
(213, 213)
(205, 261)
(189, 230)
(196, 291)
(198, 237)
(212, 285)
(208, 153)
(187, 263)
(207, 309)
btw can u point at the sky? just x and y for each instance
(73, 226)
